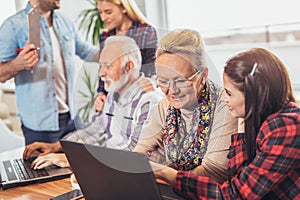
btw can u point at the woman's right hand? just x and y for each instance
(163, 172)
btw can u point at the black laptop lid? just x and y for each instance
(104, 173)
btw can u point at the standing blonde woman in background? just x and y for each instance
(123, 17)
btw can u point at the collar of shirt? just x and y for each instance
(127, 97)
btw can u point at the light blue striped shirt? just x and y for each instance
(120, 123)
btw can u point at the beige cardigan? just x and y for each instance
(215, 162)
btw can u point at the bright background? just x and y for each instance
(212, 15)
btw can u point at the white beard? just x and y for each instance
(115, 86)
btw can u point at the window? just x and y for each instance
(230, 26)
(236, 21)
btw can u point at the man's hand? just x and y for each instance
(99, 102)
(41, 148)
(58, 159)
(27, 58)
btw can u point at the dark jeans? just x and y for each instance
(66, 125)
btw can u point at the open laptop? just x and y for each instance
(17, 172)
(104, 173)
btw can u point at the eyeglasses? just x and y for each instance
(179, 83)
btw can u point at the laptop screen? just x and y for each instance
(104, 173)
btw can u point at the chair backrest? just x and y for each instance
(9, 140)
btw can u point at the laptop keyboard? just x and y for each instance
(26, 172)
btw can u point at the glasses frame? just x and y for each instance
(174, 81)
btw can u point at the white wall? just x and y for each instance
(216, 15)
(7, 10)
(72, 8)
(156, 12)
(287, 52)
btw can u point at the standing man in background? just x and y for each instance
(44, 86)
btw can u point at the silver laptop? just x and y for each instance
(17, 172)
(104, 173)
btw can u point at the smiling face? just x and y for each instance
(111, 14)
(235, 99)
(172, 67)
(111, 68)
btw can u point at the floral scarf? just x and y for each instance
(185, 150)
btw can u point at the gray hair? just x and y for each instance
(185, 42)
(129, 50)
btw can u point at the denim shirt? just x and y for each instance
(35, 92)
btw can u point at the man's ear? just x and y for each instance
(129, 66)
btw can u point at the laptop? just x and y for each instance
(104, 173)
(17, 172)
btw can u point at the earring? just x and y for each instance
(203, 81)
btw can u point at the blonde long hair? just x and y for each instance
(132, 10)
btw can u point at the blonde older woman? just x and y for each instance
(192, 125)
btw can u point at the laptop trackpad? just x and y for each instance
(54, 170)
(11, 176)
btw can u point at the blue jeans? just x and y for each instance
(66, 125)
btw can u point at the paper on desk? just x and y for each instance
(34, 27)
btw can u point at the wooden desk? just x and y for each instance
(37, 191)
(33, 191)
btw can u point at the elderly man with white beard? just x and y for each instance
(125, 112)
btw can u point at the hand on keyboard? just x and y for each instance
(40, 148)
(58, 159)
(25, 171)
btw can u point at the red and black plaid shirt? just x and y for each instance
(146, 39)
(273, 174)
